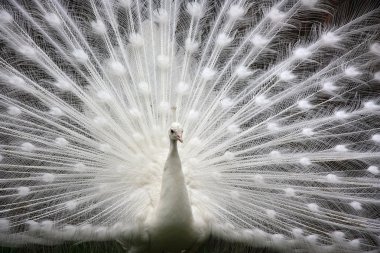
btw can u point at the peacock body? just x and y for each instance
(278, 102)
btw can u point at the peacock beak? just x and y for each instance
(179, 137)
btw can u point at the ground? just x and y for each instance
(113, 247)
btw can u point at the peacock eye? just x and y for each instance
(172, 131)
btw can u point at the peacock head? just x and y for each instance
(175, 132)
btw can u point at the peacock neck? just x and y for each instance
(173, 151)
(174, 205)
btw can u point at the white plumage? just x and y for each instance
(278, 102)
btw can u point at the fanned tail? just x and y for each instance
(277, 99)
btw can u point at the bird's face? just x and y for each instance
(175, 132)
